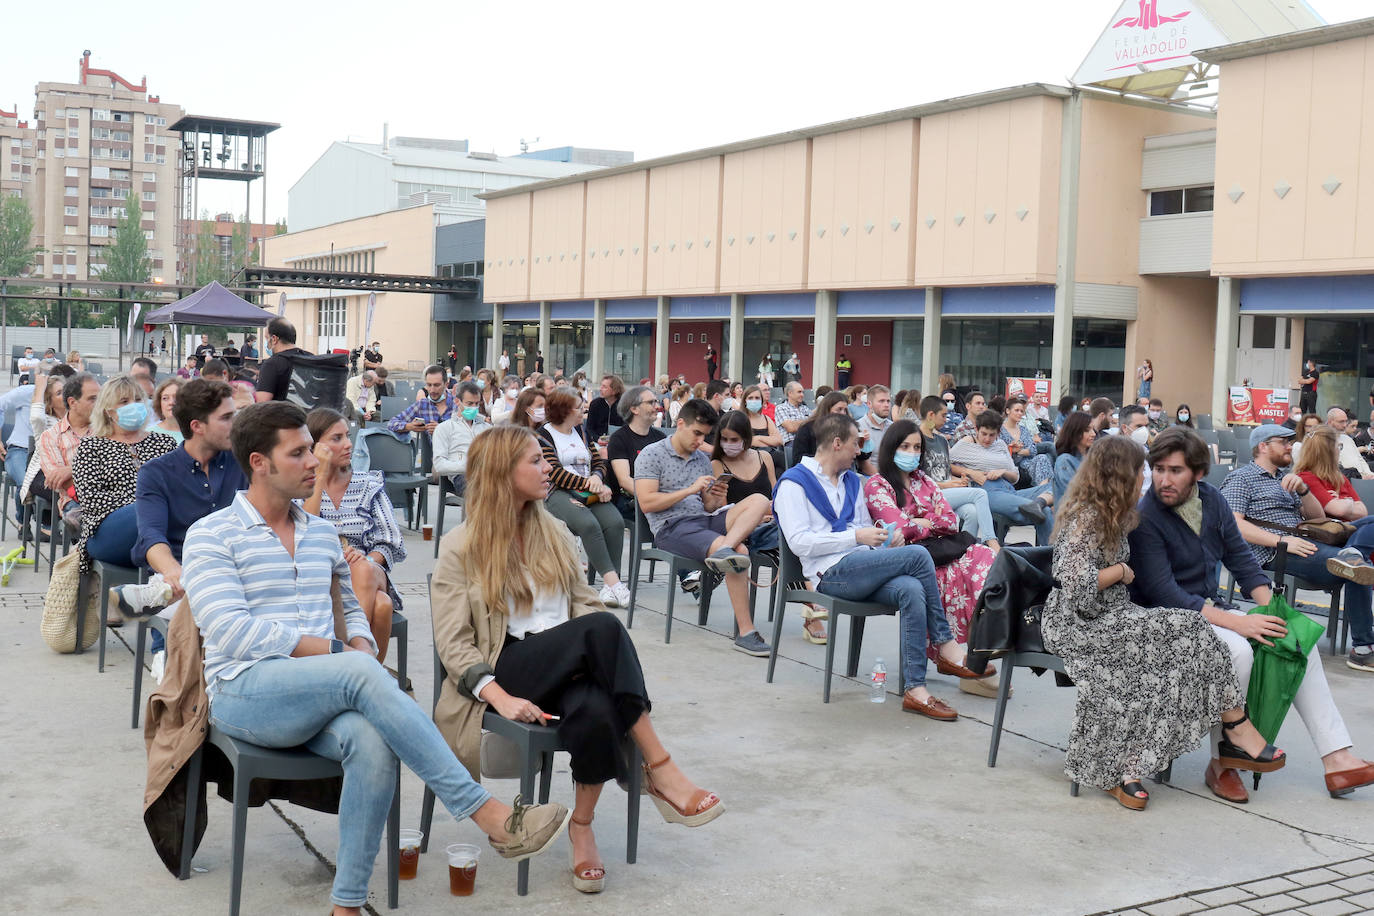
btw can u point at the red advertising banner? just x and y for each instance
(1035, 390)
(1257, 405)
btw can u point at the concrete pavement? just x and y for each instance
(848, 807)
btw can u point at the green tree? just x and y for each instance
(126, 260)
(208, 265)
(16, 256)
(16, 237)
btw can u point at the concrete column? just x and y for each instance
(1066, 271)
(598, 360)
(930, 342)
(823, 353)
(545, 335)
(498, 314)
(734, 360)
(661, 339)
(1224, 357)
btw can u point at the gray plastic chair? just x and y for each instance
(538, 744)
(858, 611)
(447, 497)
(388, 407)
(106, 577)
(396, 461)
(639, 551)
(250, 762)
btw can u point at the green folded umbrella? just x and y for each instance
(1278, 669)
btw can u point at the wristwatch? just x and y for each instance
(1305, 490)
(335, 646)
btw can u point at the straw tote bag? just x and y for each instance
(59, 607)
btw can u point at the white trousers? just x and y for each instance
(1313, 703)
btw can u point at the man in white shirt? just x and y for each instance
(453, 437)
(504, 362)
(362, 394)
(825, 520)
(1350, 457)
(27, 364)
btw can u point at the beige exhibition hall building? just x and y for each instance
(1203, 197)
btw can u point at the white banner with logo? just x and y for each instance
(281, 305)
(133, 320)
(367, 325)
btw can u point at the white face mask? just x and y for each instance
(732, 448)
(537, 414)
(1141, 434)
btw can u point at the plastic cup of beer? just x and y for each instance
(410, 841)
(428, 532)
(462, 869)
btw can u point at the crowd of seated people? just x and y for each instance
(896, 505)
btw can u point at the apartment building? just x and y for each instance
(97, 142)
(16, 154)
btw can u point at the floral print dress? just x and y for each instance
(961, 581)
(1038, 467)
(1152, 682)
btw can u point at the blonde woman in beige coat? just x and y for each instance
(520, 631)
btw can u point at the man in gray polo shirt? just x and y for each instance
(687, 512)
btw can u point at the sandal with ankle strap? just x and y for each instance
(689, 816)
(587, 878)
(1128, 794)
(1231, 755)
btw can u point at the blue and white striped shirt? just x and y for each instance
(250, 599)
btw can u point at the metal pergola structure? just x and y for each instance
(345, 281)
(93, 292)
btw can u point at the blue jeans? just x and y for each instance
(1356, 597)
(1006, 500)
(903, 577)
(972, 507)
(16, 465)
(113, 541)
(347, 708)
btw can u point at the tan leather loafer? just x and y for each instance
(1226, 783)
(936, 709)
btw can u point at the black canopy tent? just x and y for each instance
(209, 306)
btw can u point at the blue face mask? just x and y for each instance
(906, 461)
(469, 413)
(132, 416)
(481, 383)
(753, 405)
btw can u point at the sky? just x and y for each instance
(654, 78)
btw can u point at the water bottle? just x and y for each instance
(877, 683)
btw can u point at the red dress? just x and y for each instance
(961, 581)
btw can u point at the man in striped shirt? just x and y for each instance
(258, 575)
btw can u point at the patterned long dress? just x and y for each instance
(1151, 682)
(961, 581)
(1038, 467)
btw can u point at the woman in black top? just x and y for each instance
(751, 469)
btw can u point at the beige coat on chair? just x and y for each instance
(469, 637)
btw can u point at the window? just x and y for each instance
(121, 136)
(677, 338)
(148, 234)
(849, 340)
(69, 230)
(149, 195)
(70, 191)
(124, 117)
(689, 338)
(72, 171)
(810, 340)
(100, 171)
(1181, 200)
(60, 113)
(97, 133)
(96, 192)
(100, 114)
(161, 159)
(118, 212)
(100, 152)
(69, 211)
(119, 193)
(59, 153)
(147, 157)
(332, 318)
(74, 134)
(150, 177)
(100, 232)
(119, 174)
(100, 212)
(867, 340)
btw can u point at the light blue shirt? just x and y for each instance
(250, 599)
(18, 400)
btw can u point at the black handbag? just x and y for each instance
(946, 548)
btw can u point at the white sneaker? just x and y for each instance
(159, 666)
(622, 594)
(135, 601)
(609, 598)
